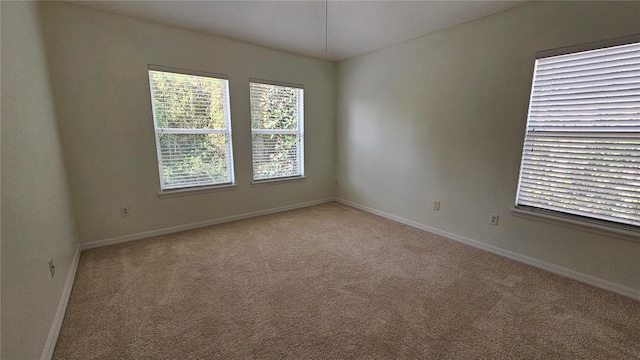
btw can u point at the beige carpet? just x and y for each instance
(332, 282)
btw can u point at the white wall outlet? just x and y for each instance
(52, 268)
(493, 219)
(125, 211)
(436, 205)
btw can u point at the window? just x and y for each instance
(277, 123)
(193, 128)
(582, 144)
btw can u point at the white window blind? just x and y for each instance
(193, 128)
(582, 144)
(277, 123)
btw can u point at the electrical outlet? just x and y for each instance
(337, 183)
(436, 205)
(125, 211)
(493, 219)
(52, 268)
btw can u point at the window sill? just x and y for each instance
(570, 222)
(277, 180)
(196, 191)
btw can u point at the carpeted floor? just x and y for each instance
(332, 282)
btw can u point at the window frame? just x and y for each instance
(299, 132)
(194, 189)
(591, 224)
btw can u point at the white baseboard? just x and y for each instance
(52, 339)
(174, 229)
(556, 269)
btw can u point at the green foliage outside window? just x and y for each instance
(275, 108)
(193, 129)
(190, 102)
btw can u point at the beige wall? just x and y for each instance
(99, 64)
(442, 117)
(36, 214)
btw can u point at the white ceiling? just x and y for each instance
(354, 27)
